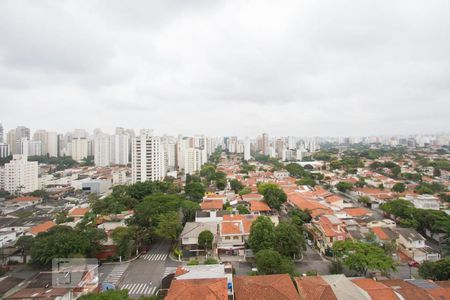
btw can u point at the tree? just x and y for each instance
(262, 234)
(25, 243)
(221, 184)
(194, 191)
(123, 239)
(205, 239)
(362, 257)
(299, 217)
(295, 170)
(169, 225)
(236, 185)
(344, 186)
(435, 270)
(208, 171)
(245, 191)
(59, 241)
(306, 181)
(399, 187)
(271, 262)
(242, 209)
(275, 197)
(400, 208)
(289, 240)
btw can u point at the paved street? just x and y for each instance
(312, 261)
(144, 274)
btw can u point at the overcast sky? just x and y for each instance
(227, 67)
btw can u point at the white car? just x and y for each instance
(309, 243)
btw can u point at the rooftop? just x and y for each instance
(266, 287)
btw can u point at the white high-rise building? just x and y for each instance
(79, 149)
(34, 148)
(168, 147)
(101, 150)
(247, 146)
(52, 144)
(194, 159)
(119, 144)
(42, 136)
(4, 150)
(1, 133)
(147, 162)
(21, 175)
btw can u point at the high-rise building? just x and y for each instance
(79, 149)
(247, 155)
(14, 138)
(193, 160)
(11, 141)
(52, 144)
(279, 148)
(42, 136)
(34, 148)
(21, 175)
(119, 144)
(168, 147)
(265, 144)
(102, 150)
(4, 150)
(1, 133)
(146, 159)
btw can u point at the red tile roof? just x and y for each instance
(193, 289)
(265, 287)
(26, 199)
(259, 206)
(211, 205)
(314, 288)
(375, 289)
(79, 211)
(356, 211)
(231, 227)
(44, 227)
(379, 232)
(407, 290)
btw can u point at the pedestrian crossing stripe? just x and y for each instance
(139, 288)
(116, 273)
(155, 257)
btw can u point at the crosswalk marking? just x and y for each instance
(116, 273)
(155, 257)
(139, 288)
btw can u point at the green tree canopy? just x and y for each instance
(169, 225)
(399, 187)
(435, 270)
(295, 170)
(236, 185)
(289, 240)
(344, 186)
(205, 239)
(194, 191)
(269, 261)
(262, 234)
(362, 257)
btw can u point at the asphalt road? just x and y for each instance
(143, 276)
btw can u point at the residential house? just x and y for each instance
(265, 287)
(211, 205)
(412, 244)
(193, 289)
(376, 290)
(43, 227)
(77, 213)
(314, 288)
(233, 233)
(326, 230)
(424, 201)
(259, 207)
(190, 233)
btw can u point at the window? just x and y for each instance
(235, 237)
(227, 238)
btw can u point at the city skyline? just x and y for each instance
(226, 68)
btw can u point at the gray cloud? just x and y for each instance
(227, 67)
